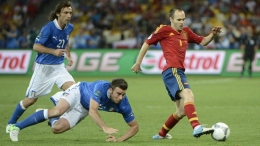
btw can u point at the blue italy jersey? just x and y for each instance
(98, 91)
(52, 36)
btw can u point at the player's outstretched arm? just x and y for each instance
(93, 112)
(214, 32)
(134, 128)
(136, 67)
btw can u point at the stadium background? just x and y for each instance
(120, 28)
(104, 26)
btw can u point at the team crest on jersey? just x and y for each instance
(184, 34)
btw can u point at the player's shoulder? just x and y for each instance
(125, 101)
(50, 24)
(162, 28)
(70, 26)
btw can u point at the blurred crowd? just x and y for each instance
(102, 23)
(16, 17)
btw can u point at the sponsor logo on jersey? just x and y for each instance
(55, 37)
(150, 36)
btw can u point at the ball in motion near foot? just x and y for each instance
(221, 131)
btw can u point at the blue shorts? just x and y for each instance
(174, 80)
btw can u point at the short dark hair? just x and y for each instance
(121, 83)
(58, 8)
(172, 11)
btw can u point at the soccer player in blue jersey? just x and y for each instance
(51, 44)
(80, 100)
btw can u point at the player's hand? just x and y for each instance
(216, 30)
(59, 52)
(136, 68)
(111, 138)
(70, 62)
(109, 130)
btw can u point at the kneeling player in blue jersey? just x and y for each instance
(78, 101)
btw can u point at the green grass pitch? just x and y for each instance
(231, 100)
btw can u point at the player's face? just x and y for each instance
(65, 15)
(117, 94)
(178, 21)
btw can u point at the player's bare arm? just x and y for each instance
(136, 67)
(44, 50)
(70, 61)
(134, 128)
(93, 112)
(214, 32)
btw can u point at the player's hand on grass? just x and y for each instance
(109, 130)
(111, 138)
(136, 68)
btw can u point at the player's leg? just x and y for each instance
(243, 65)
(172, 120)
(69, 119)
(38, 117)
(40, 85)
(69, 100)
(172, 86)
(64, 80)
(191, 113)
(251, 59)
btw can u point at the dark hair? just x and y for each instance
(121, 83)
(172, 11)
(58, 8)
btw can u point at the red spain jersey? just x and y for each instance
(174, 44)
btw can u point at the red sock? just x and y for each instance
(169, 124)
(191, 113)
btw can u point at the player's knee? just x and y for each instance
(60, 127)
(180, 114)
(66, 85)
(28, 102)
(55, 112)
(57, 129)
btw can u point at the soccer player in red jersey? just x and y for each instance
(174, 41)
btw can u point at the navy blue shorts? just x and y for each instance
(174, 81)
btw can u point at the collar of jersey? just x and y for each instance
(55, 21)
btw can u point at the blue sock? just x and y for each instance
(33, 119)
(16, 114)
(52, 120)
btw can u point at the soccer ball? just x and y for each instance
(221, 131)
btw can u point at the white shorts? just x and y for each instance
(44, 77)
(76, 112)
